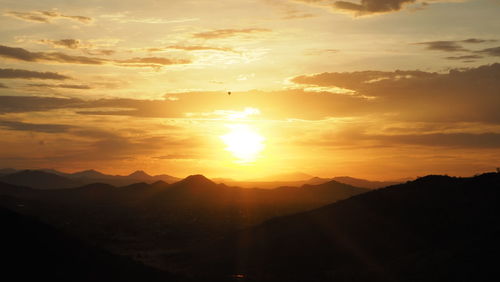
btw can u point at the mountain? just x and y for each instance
(139, 174)
(436, 228)
(162, 221)
(53, 179)
(365, 183)
(92, 174)
(39, 180)
(6, 171)
(35, 251)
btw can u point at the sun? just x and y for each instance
(243, 142)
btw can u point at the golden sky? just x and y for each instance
(380, 89)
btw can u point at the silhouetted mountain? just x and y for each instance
(196, 180)
(53, 179)
(364, 183)
(436, 228)
(158, 219)
(6, 171)
(139, 174)
(39, 180)
(33, 251)
(93, 174)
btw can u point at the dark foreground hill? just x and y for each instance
(436, 228)
(33, 251)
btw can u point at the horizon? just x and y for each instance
(373, 89)
(264, 178)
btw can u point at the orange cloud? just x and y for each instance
(224, 33)
(46, 16)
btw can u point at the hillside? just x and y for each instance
(436, 228)
(148, 221)
(35, 251)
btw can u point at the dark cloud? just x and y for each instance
(461, 140)
(456, 46)
(372, 6)
(25, 104)
(491, 51)
(447, 46)
(66, 43)
(224, 33)
(459, 95)
(46, 16)
(68, 86)
(27, 74)
(35, 127)
(477, 40)
(100, 52)
(464, 57)
(25, 55)
(3, 85)
(449, 140)
(364, 7)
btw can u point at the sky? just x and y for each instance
(378, 89)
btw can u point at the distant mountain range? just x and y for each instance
(278, 181)
(53, 179)
(165, 218)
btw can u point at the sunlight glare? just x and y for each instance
(243, 142)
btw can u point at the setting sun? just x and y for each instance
(243, 142)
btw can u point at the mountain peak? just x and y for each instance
(88, 173)
(139, 174)
(197, 179)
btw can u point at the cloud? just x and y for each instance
(450, 140)
(74, 44)
(460, 95)
(67, 86)
(3, 85)
(27, 74)
(478, 40)
(46, 16)
(289, 11)
(199, 48)
(35, 127)
(495, 51)
(371, 6)
(27, 104)
(25, 55)
(456, 46)
(464, 57)
(363, 7)
(178, 157)
(153, 61)
(66, 43)
(447, 46)
(225, 33)
(28, 56)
